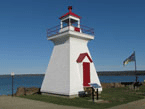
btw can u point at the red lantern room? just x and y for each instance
(70, 21)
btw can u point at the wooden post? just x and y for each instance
(97, 94)
(92, 94)
(12, 74)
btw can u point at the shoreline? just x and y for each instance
(104, 85)
(100, 73)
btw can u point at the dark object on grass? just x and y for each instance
(82, 94)
(137, 84)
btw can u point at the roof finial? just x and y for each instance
(69, 8)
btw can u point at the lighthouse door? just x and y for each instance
(86, 73)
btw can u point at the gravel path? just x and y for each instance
(140, 104)
(8, 102)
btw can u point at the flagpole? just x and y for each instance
(135, 68)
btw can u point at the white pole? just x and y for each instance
(78, 23)
(61, 24)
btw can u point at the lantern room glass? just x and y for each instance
(70, 22)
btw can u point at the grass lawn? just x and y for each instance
(115, 96)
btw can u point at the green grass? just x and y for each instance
(115, 96)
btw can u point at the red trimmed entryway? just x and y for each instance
(86, 73)
(86, 68)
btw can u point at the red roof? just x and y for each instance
(82, 56)
(70, 13)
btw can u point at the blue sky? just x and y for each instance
(119, 29)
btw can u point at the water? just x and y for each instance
(19, 81)
(36, 81)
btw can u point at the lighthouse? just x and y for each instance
(71, 67)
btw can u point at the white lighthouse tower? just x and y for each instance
(71, 67)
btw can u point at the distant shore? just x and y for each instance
(121, 73)
(7, 75)
(100, 73)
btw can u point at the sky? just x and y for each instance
(119, 30)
